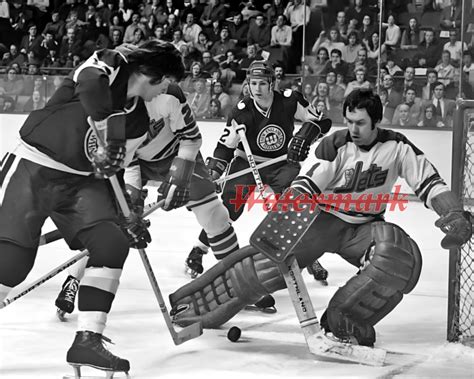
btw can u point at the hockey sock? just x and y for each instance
(4, 291)
(77, 270)
(92, 321)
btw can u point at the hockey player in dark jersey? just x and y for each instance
(269, 120)
(361, 161)
(173, 140)
(57, 172)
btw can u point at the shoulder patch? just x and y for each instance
(329, 145)
(240, 105)
(287, 92)
(386, 135)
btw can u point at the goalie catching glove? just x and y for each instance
(454, 221)
(300, 144)
(175, 189)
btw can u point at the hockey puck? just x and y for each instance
(234, 334)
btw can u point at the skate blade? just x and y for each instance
(269, 310)
(322, 346)
(109, 374)
(323, 283)
(191, 273)
(61, 315)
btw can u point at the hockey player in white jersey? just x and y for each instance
(360, 162)
(170, 155)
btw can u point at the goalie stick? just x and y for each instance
(276, 237)
(185, 334)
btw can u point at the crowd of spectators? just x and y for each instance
(415, 62)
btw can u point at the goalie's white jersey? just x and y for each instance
(363, 175)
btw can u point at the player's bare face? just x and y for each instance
(360, 127)
(261, 91)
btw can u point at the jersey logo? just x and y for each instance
(240, 105)
(90, 143)
(359, 181)
(287, 92)
(271, 138)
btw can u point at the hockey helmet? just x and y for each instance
(260, 70)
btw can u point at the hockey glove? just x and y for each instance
(455, 222)
(136, 230)
(136, 198)
(108, 160)
(298, 148)
(216, 167)
(175, 189)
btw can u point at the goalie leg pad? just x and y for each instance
(392, 269)
(239, 279)
(214, 218)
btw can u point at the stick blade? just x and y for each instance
(188, 333)
(322, 346)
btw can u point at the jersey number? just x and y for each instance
(224, 135)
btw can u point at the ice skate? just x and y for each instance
(193, 265)
(66, 298)
(319, 273)
(88, 350)
(266, 305)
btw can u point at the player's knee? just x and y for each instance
(15, 263)
(392, 269)
(107, 245)
(213, 217)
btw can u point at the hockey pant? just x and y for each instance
(239, 279)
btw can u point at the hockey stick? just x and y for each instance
(250, 169)
(276, 238)
(45, 278)
(187, 333)
(55, 235)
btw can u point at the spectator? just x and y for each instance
(199, 100)
(308, 92)
(13, 56)
(321, 94)
(259, 33)
(341, 25)
(214, 31)
(446, 71)
(214, 11)
(451, 15)
(56, 26)
(196, 73)
(172, 24)
(392, 34)
(404, 118)
(387, 112)
(367, 28)
(32, 41)
(468, 67)
(429, 51)
(139, 37)
(444, 108)
(244, 91)
(394, 69)
(70, 45)
(357, 12)
(203, 44)
(414, 109)
(230, 66)
(454, 48)
(225, 102)
(12, 85)
(214, 112)
(412, 36)
(29, 79)
(336, 96)
(194, 7)
(281, 83)
(249, 9)
(7, 104)
(191, 30)
(74, 22)
(169, 8)
(35, 102)
(275, 9)
(251, 56)
(320, 106)
(48, 43)
(106, 11)
(281, 38)
(238, 30)
(349, 51)
(429, 118)
(124, 11)
(295, 12)
(336, 63)
(393, 96)
(428, 88)
(116, 39)
(409, 81)
(178, 39)
(208, 64)
(333, 42)
(319, 64)
(130, 30)
(360, 81)
(159, 33)
(116, 23)
(219, 49)
(374, 49)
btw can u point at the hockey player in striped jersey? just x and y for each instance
(56, 171)
(170, 155)
(269, 120)
(360, 162)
